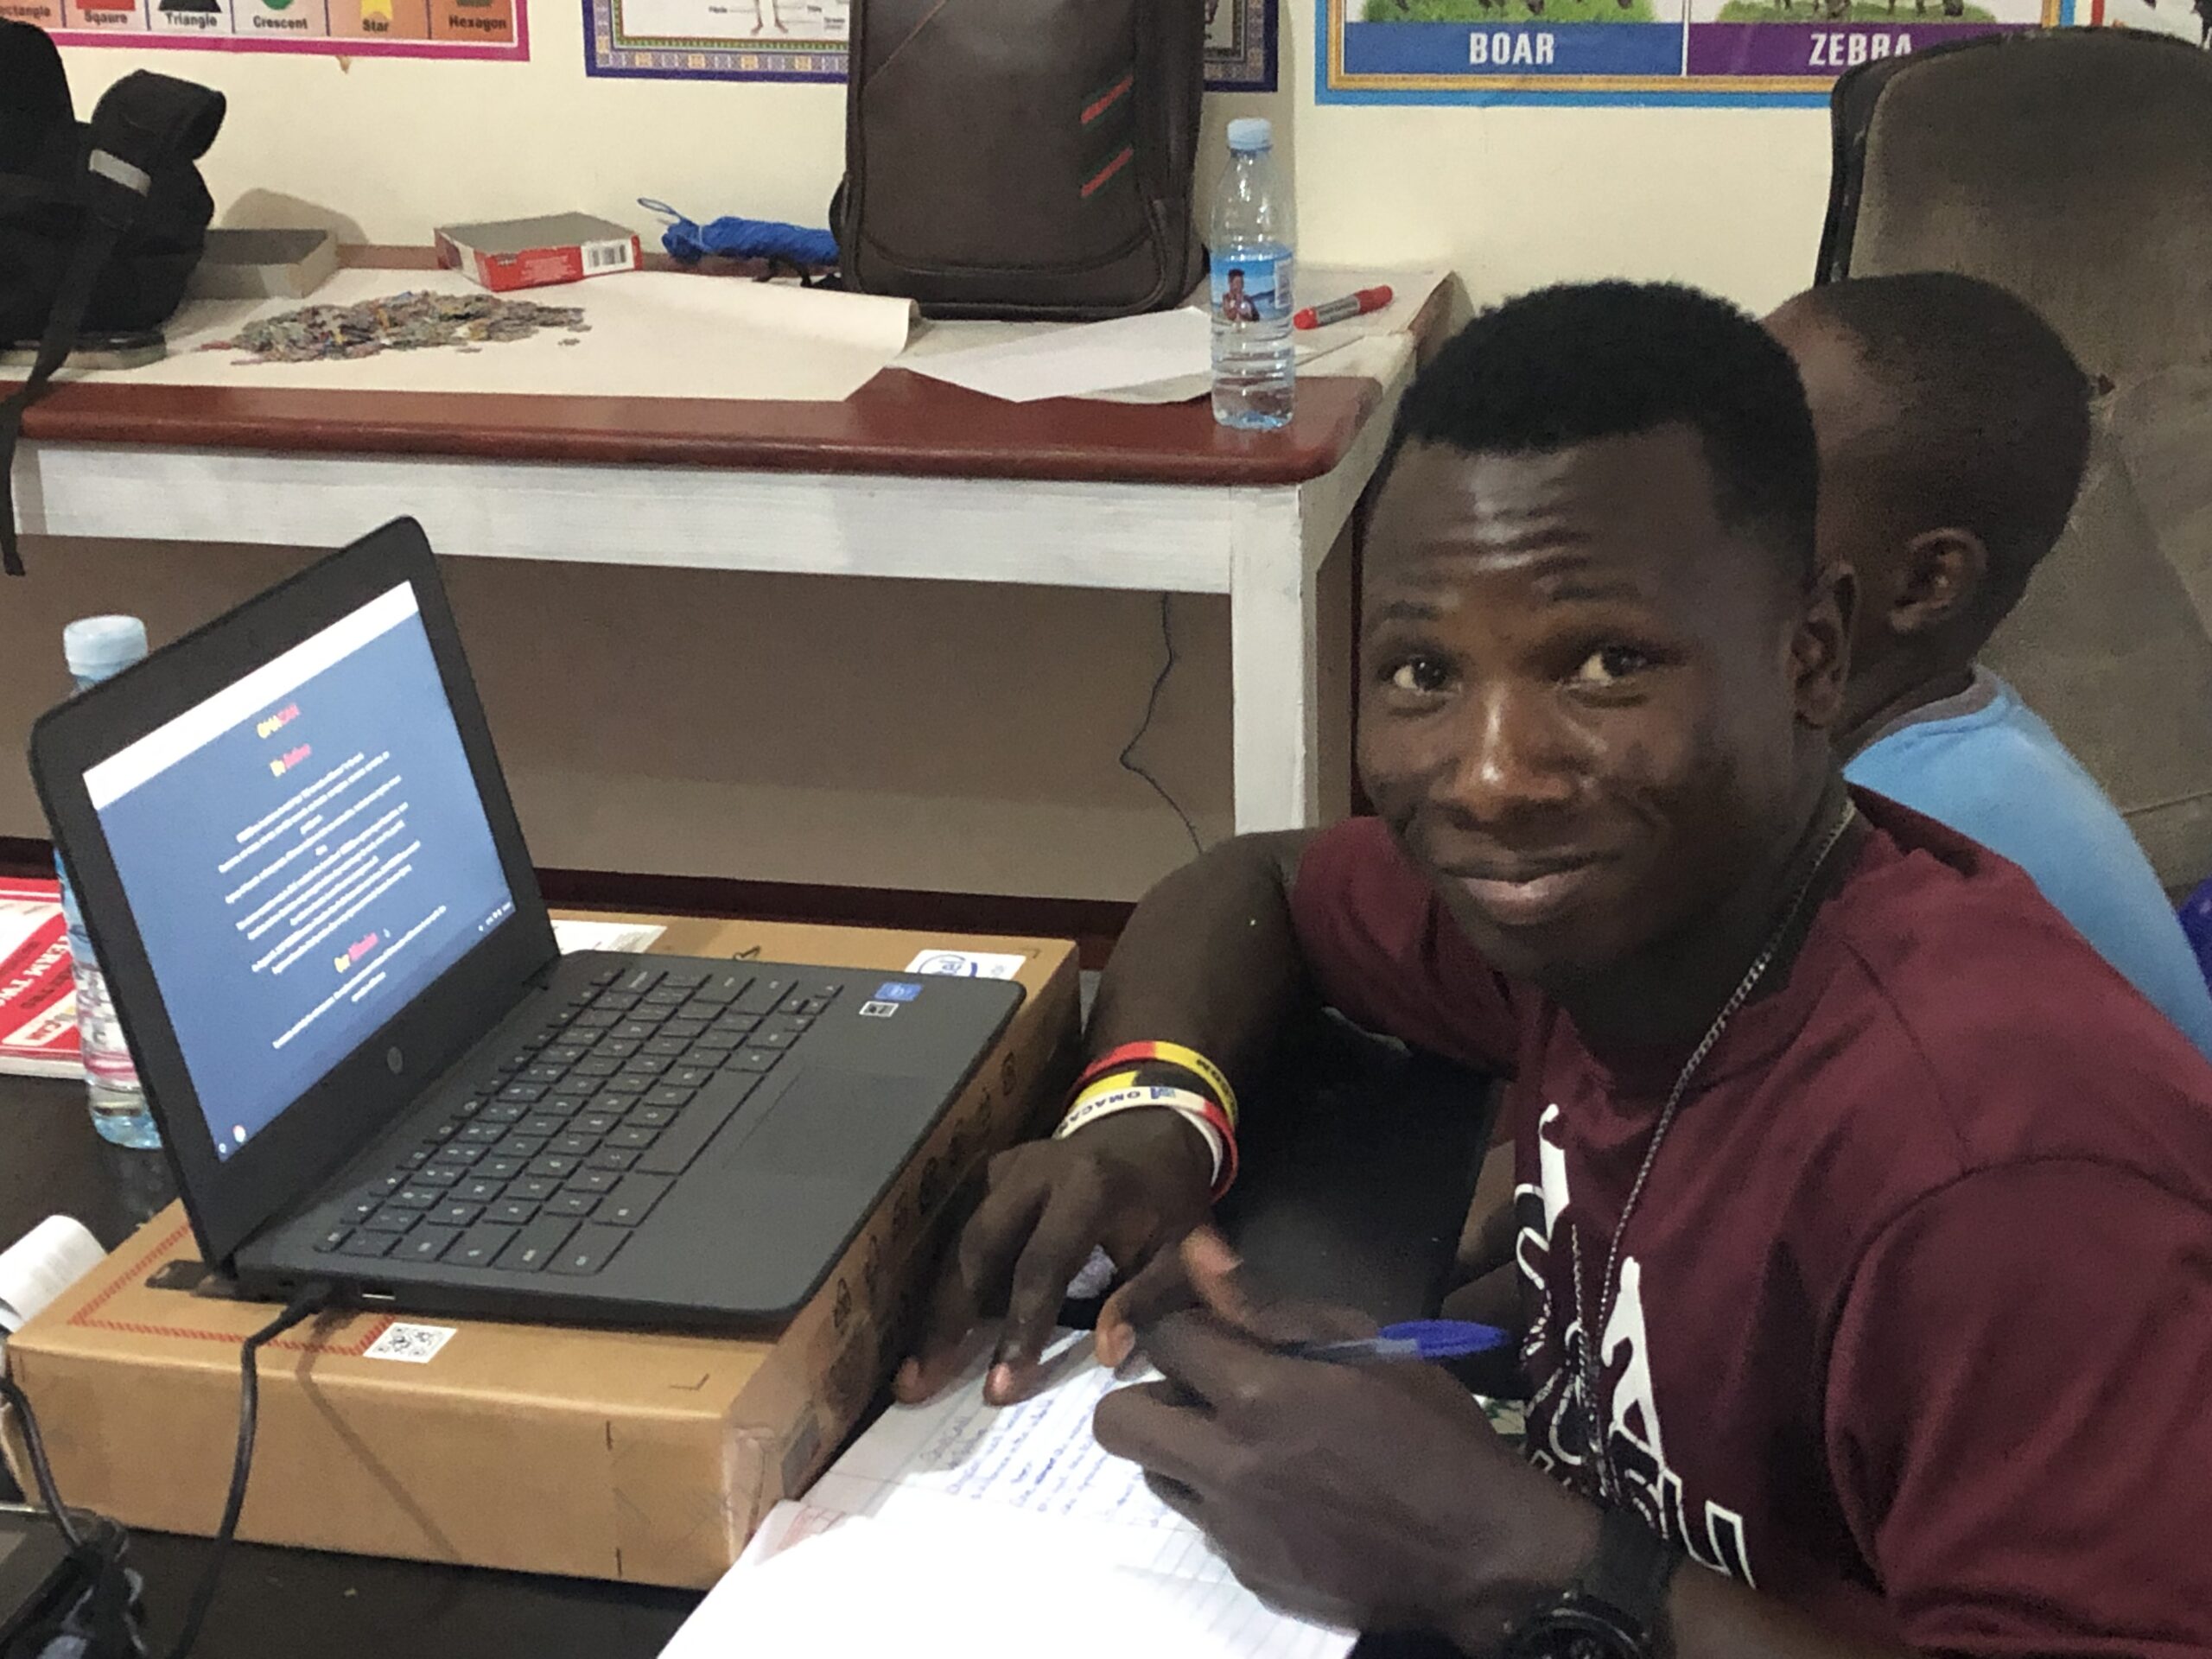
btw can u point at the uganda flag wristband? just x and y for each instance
(1214, 1082)
(1096, 1104)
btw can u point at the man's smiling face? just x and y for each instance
(1585, 697)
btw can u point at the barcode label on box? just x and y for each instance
(416, 1345)
(607, 255)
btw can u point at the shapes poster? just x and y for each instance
(804, 40)
(418, 29)
(1638, 51)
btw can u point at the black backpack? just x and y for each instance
(1022, 158)
(101, 222)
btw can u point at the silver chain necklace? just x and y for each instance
(1594, 1433)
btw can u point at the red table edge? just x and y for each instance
(899, 424)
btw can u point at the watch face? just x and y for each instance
(1578, 1628)
(1585, 1646)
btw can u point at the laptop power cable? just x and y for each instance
(93, 1536)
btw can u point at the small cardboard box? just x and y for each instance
(647, 1457)
(243, 265)
(537, 252)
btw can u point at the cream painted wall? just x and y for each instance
(944, 768)
(1730, 198)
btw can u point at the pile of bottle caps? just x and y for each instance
(404, 322)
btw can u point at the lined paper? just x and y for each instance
(951, 1518)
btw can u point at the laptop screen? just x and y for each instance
(303, 852)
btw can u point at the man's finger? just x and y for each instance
(1214, 1272)
(1065, 1233)
(1220, 1283)
(994, 1237)
(951, 1332)
(1219, 1365)
(1161, 1287)
(1176, 1496)
(1148, 1425)
(973, 1279)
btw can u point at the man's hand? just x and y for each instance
(1133, 1183)
(1368, 1497)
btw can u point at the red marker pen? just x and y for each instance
(1352, 305)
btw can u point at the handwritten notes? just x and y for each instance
(947, 1518)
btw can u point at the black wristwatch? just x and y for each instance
(1616, 1609)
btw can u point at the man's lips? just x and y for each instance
(1530, 892)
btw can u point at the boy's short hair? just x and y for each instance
(1993, 412)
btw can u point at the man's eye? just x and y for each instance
(1611, 663)
(1422, 675)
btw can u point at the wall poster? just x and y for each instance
(1742, 52)
(337, 29)
(804, 40)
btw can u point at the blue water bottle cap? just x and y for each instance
(1251, 132)
(97, 646)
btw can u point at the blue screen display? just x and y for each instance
(303, 853)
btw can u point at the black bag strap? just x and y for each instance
(146, 122)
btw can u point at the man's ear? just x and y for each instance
(1940, 581)
(1820, 650)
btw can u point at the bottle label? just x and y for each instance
(1250, 286)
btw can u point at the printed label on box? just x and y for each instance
(416, 1345)
(600, 256)
(968, 964)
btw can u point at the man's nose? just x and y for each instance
(1515, 757)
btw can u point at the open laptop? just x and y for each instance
(291, 842)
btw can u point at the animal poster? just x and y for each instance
(344, 29)
(2191, 20)
(1641, 51)
(804, 40)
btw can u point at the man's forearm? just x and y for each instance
(1716, 1618)
(1210, 958)
(1709, 1615)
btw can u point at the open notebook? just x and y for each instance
(953, 1524)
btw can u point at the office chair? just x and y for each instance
(2075, 168)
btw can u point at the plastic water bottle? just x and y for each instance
(96, 648)
(1254, 368)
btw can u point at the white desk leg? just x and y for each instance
(1274, 679)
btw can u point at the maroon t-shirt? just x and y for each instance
(1912, 1324)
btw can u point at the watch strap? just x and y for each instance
(1630, 1573)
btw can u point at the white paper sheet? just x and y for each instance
(946, 1514)
(1072, 360)
(652, 334)
(1160, 360)
(572, 935)
(41, 1265)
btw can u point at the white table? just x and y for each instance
(909, 478)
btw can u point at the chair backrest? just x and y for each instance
(2075, 168)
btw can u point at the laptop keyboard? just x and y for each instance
(567, 1143)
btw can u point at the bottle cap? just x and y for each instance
(1251, 132)
(97, 646)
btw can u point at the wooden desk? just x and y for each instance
(909, 478)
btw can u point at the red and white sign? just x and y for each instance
(38, 998)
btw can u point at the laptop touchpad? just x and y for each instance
(839, 1124)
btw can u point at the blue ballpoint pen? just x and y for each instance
(1419, 1339)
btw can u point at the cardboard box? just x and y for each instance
(244, 265)
(538, 252)
(644, 1457)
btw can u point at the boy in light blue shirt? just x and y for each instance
(1954, 425)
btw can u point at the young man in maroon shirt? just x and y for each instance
(1887, 1202)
